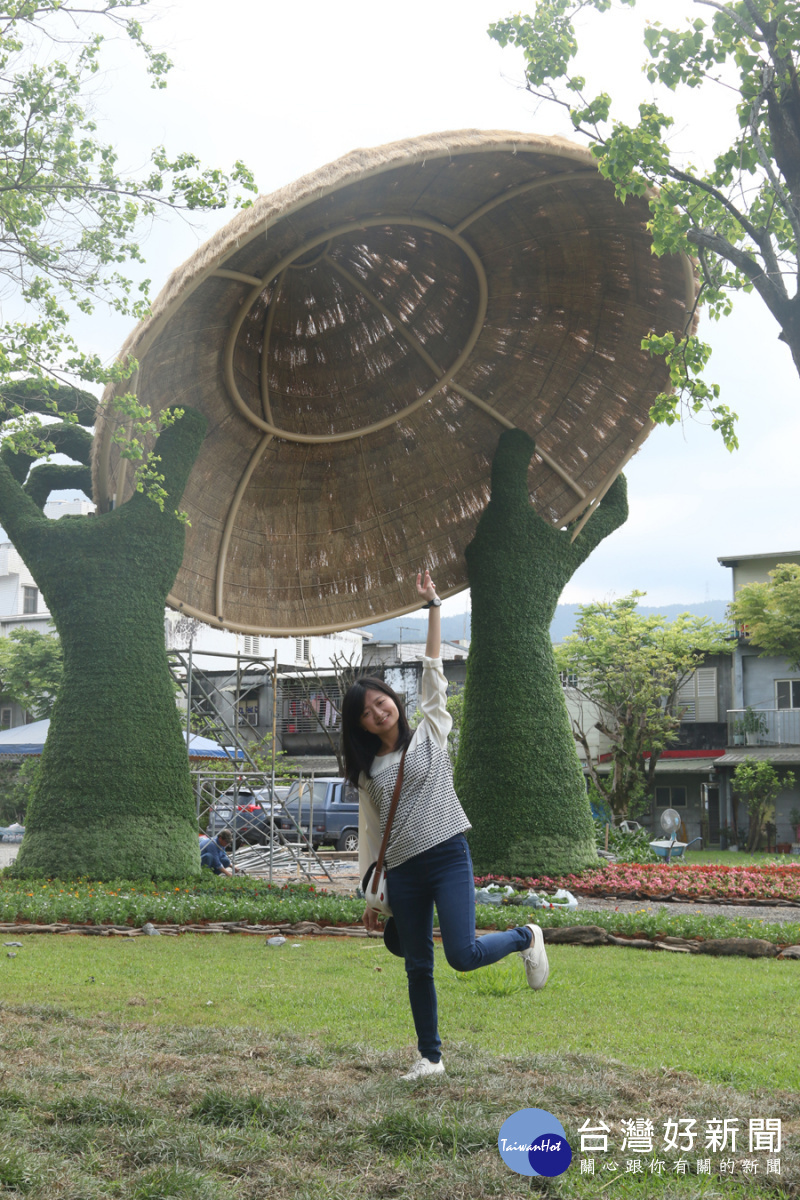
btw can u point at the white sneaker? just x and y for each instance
(537, 968)
(423, 1067)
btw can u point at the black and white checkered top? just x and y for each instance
(428, 811)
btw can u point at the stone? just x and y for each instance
(150, 929)
(748, 947)
(790, 952)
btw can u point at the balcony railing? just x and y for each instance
(764, 727)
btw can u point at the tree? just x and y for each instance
(771, 612)
(113, 795)
(17, 780)
(31, 666)
(517, 772)
(757, 784)
(627, 671)
(113, 798)
(69, 218)
(741, 218)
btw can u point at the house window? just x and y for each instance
(697, 695)
(302, 650)
(671, 797)
(30, 600)
(248, 712)
(787, 693)
(5, 718)
(251, 644)
(569, 679)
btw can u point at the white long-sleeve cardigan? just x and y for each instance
(428, 811)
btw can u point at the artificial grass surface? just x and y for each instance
(725, 1020)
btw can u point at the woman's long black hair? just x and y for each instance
(360, 747)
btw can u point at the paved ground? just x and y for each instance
(751, 912)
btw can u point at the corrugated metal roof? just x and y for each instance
(773, 754)
(677, 766)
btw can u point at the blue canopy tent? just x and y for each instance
(27, 740)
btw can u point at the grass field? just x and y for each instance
(740, 859)
(208, 1067)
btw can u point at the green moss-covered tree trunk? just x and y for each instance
(518, 775)
(114, 796)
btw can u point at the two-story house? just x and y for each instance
(764, 714)
(685, 775)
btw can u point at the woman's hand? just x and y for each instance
(426, 587)
(372, 919)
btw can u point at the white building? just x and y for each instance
(21, 602)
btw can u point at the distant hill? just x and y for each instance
(413, 629)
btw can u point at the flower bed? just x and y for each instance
(132, 902)
(659, 881)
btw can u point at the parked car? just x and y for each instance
(246, 813)
(334, 814)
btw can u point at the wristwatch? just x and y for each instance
(434, 603)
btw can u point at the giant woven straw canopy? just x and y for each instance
(359, 341)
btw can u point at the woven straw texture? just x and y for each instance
(359, 341)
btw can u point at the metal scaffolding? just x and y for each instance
(203, 715)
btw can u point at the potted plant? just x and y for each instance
(737, 733)
(794, 821)
(754, 724)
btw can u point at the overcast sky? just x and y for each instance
(288, 88)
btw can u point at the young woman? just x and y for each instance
(427, 858)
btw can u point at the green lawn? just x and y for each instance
(218, 1068)
(645, 1009)
(740, 859)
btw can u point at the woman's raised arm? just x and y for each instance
(427, 589)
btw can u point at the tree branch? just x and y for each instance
(684, 177)
(785, 201)
(734, 16)
(775, 298)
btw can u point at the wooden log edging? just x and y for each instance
(595, 935)
(565, 935)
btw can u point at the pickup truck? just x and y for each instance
(333, 815)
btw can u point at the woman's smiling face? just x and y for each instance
(380, 715)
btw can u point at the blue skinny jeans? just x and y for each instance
(442, 876)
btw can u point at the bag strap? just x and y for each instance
(392, 810)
